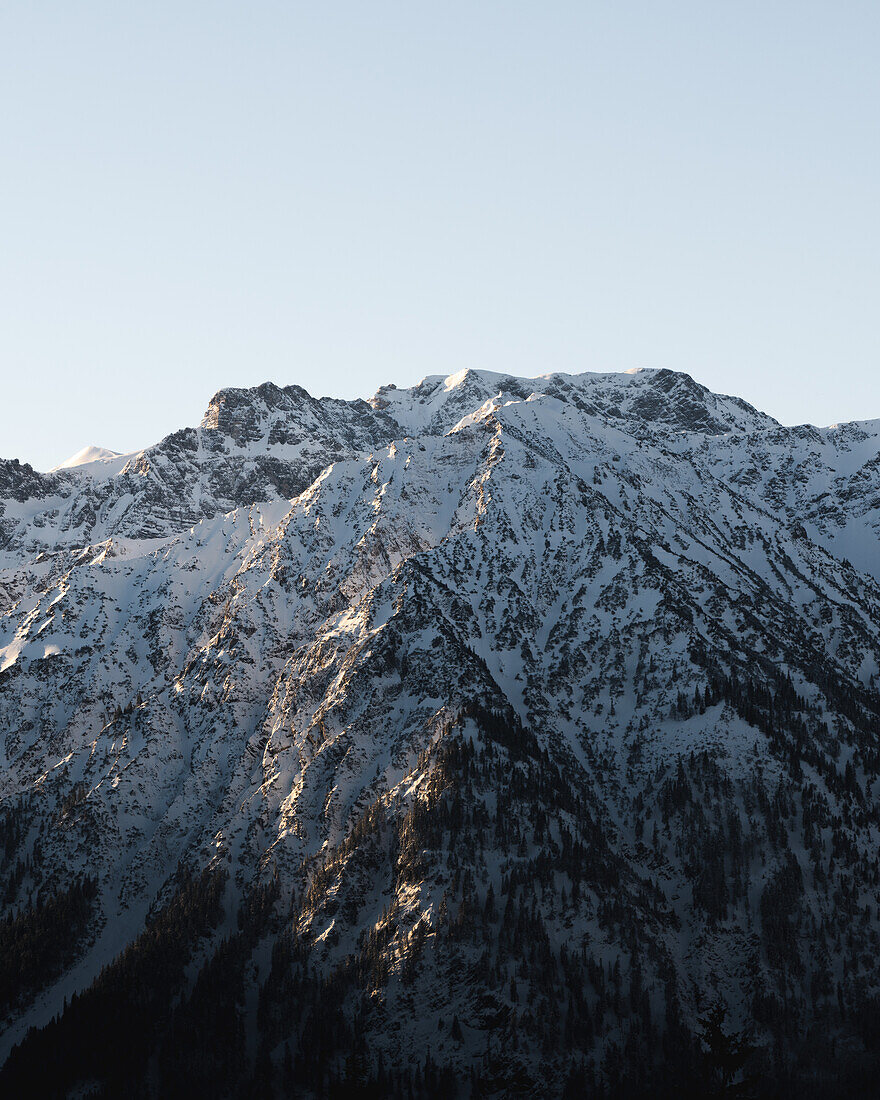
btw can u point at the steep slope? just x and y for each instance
(657, 398)
(520, 740)
(252, 445)
(825, 479)
(268, 443)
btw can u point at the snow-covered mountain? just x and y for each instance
(520, 721)
(91, 455)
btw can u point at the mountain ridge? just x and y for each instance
(546, 716)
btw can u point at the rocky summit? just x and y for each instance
(494, 737)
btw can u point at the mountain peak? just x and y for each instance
(88, 454)
(547, 723)
(659, 398)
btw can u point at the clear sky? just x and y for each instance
(344, 194)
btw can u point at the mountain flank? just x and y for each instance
(493, 737)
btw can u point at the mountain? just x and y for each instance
(497, 736)
(89, 455)
(263, 444)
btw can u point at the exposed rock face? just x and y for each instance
(536, 715)
(252, 445)
(21, 482)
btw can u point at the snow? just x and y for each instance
(95, 462)
(565, 543)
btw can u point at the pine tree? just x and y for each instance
(725, 1055)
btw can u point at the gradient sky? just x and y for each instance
(202, 194)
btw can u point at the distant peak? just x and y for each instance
(90, 453)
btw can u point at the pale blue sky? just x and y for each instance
(340, 195)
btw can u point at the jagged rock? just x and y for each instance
(509, 688)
